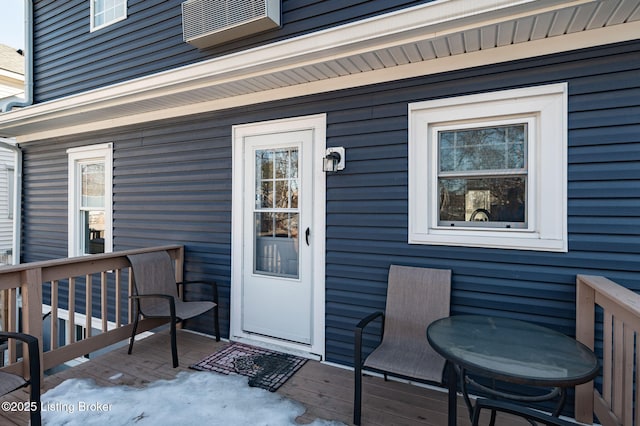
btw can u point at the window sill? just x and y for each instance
(515, 240)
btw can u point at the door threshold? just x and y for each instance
(283, 346)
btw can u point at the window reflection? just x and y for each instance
(276, 217)
(92, 203)
(482, 176)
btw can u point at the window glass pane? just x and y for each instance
(276, 178)
(276, 232)
(494, 199)
(264, 224)
(488, 148)
(92, 185)
(282, 164)
(119, 10)
(264, 163)
(282, 194)
(109, 15)
(293, 163)
(276, 244)
(264, 196)
(294, 193)
(105, 11)
(93, 231)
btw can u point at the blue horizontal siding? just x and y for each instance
(172, 184)
(69, 59)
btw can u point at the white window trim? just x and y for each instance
(547, 165)
(105, 153)
(92, 17)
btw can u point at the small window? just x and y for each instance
(107, 12)
(482, 176)
(490, 170)
(90, 195)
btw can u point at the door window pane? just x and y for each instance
(276, 215)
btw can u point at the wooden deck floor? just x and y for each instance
(325, 390)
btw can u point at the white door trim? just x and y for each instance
(316, 123)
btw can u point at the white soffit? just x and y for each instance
(435, 37)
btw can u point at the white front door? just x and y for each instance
(278, 284)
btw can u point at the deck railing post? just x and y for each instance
(32, 310)
(585, 333)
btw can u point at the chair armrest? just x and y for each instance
(170, 299)
(366, 320)
(26, 338)
(33, 348)
(213, 284)
(357, 355)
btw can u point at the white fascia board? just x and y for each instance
(421, 22)
(451, 63)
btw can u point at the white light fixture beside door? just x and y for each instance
(334, 159)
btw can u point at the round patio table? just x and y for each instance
(510, 351)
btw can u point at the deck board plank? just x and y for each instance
(325, 390)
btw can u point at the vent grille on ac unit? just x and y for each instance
(209, 22)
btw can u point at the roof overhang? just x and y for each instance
(431, 38)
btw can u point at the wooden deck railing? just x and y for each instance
(617, 403)
(110, 270)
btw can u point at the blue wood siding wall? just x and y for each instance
(68, 58)
(172, 184)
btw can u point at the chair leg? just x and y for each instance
(216, 321)
(133, 332)
(476, 415)
(174, 345)
(357, 398)
(35, 416)
(34, 385)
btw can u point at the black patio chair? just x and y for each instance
(156, 296)
(415, 298)
(10, 382)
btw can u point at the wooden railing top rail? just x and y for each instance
(609, 292)
(58, 269)
(616, 404)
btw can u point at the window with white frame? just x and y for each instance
(107, 12)
(90, 199)
(489, 170)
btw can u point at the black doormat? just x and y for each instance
(266, 369)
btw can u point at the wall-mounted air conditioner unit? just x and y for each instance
(207, 23)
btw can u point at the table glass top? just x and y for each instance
(512, 350)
